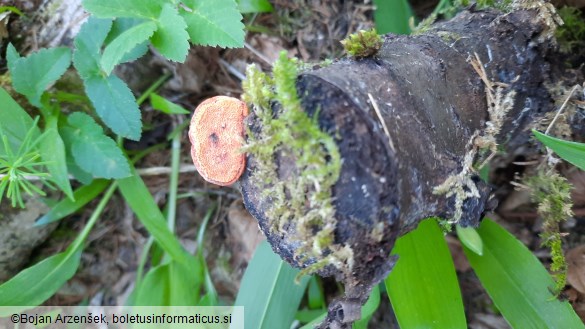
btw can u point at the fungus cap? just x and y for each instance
(216, 133)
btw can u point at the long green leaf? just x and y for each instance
(15, 122)
(423, 286)
(172, 284)
(146, 9)
(571, 151)
(518, 283)
(37, 283)
(254, 6)
(392, 16)
(81, 197)
(368, 309)
(268, 291)
(52, 150)
(140, 200)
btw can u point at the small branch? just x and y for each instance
(560, 110)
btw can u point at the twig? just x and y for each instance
(257, 53)
(386, 131)
(560, 110)
(231, 69)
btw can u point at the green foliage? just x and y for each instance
(571, 151)
(52, 151)
(552, 193)
(393, 16)
(93, 151)
(518, 283)
(571, 35)
(33, 74)
(125, 43)
(368, 309)
(171, 38)
(363, 43)
(161, 104)
(423, 286)
(214, 23)
(469, 237)
(272, 301)
(254, 6)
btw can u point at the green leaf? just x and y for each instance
(214, 23)
(392, 16)
(172, 284)
(93, 151)
(368, 309)
(171, 38)
(518, 283)
(168, 107)
(423, 286)
(268, 290)
(570, 151)
(141, 202)
(33, 74)
(120, 26)
(15, 122)
(124, 44)
(11, 56)
(115, 104)
(315, 322)
(81, 197)
(41, 280)
(148, 9)
(315, 294)
(52, 150)
(254, 6)
(88, 43)
(469, 237)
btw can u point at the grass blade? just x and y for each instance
(518, 283)
(391, 16)
(571, 151)
(140, 200)
(423, 286)
(269, 292)
(66, 207)
(368, 309)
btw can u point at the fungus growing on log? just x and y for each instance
(395, 138)
(217, 135)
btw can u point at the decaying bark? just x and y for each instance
(433, 104)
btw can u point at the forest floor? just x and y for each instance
(310, 30)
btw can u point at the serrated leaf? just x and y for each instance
(41, 280)
(15, 122)
(52, 150)
(93, 151)
(148, 9)
(33, 74)
(469, 237)
(115, 105)
(124, 43)
(168, 107)
(171, 38)
(570, 151)
(272, 301)
(214, 23)
(119, 26)
(88, 43)
(254, 6)
(423, 285)
(518, 283)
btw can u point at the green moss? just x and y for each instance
(552, 193)
(571, 35)
(364, 43)
(301, 198)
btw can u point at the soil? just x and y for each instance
(311, 30)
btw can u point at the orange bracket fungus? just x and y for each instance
(217, 135)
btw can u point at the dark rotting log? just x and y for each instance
(432, 102)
